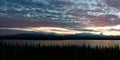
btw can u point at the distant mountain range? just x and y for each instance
(52, 36)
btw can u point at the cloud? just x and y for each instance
(40, 1)
(107, 30)
(70, 12)
(113, 3)
(56, 30)
(61, 16)
(46, 30)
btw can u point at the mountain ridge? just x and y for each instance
(53, 36)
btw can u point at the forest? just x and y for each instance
(32, 52)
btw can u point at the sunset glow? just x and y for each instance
(109, 30)
(60, 16)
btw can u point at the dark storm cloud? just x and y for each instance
(10, 32)
(9, 22)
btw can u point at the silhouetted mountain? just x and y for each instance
(53, 36)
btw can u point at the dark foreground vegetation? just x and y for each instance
(31, 52)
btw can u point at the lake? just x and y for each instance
(92, 43)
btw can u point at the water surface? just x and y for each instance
(92, 43)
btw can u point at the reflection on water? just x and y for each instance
(92, 43)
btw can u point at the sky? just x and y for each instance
(60, 16)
